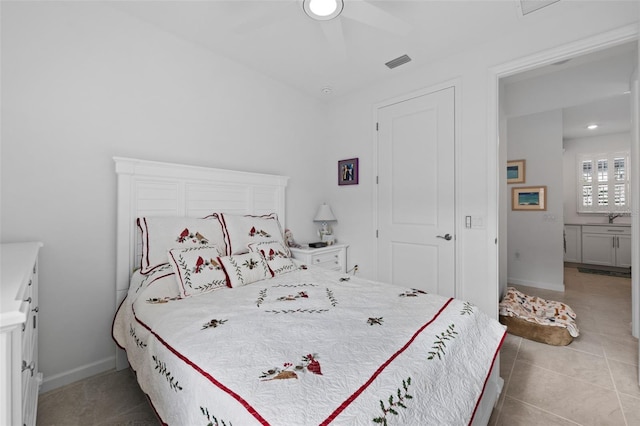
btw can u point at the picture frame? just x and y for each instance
(516, 170)
(532, 198)
(348, 172)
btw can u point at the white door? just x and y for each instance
(415, 206)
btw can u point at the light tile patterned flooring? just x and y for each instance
(593, 381)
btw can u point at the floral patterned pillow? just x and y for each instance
(240, 231)
(197, 270)
(243, 269)
(160, 234)
(276, 255)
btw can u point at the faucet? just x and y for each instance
(613, 216)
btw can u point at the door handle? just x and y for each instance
(446, 237)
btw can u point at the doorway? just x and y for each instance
(497, 133)
(548, 111)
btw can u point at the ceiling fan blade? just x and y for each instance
(368, 14)
(259, 15)
(333, 33)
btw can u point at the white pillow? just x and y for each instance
(276, 256)
(197, 270)
(240, 231)
(243, 269)
(161, 234)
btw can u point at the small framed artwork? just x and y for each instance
(348, 172)
(529, 198)
(515, 171)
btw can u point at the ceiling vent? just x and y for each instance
(529, 6)
(398, 61)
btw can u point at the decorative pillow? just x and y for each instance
(197, 270)
(276, 256)
(240, 231)
(160, 234)
(243, 269)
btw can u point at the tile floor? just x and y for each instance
(593, 381)
(108, 399)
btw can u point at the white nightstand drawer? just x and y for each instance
(331, 257)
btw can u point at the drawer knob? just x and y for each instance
(36, 309)
(31, 366)
(28, 300)
(30, 282)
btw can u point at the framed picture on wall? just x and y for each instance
(516, 171)
(348, 172)
(529, 198)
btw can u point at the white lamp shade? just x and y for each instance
(324, 214)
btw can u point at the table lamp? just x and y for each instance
(325, 215)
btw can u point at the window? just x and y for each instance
(603, 183)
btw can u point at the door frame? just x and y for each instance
(605, 40)
(456, 85)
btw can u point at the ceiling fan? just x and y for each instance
(330, 15)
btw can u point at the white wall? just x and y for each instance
(573, 148)
(82, 83)
(534, 238)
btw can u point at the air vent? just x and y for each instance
(529, 6)
(398, 61)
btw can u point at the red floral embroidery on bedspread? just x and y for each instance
(288, 371)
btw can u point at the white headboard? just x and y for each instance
(149, 188)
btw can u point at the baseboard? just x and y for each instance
(545, 286)
(61, 379)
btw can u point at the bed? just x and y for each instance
(223, 327)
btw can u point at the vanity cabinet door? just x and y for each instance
(598, 249)
(623, 251)
(573, 243)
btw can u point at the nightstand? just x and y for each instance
(330, 257)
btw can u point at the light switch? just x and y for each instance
(477, 222)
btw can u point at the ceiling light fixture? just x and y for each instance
(592, 126)
(322, 10)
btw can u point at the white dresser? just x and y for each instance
(329, 257)
(19, 376)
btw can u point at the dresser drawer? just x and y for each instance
(27, 327)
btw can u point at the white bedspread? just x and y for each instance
(306, 348)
